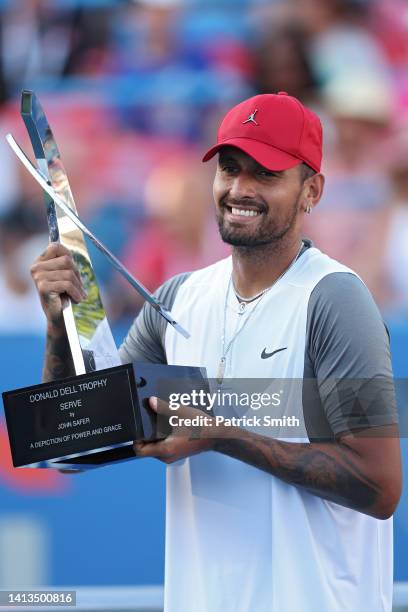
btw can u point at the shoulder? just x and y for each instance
(167, 292)
(343, 297)
(335, 288)
(345, 327)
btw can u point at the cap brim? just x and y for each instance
(267, 156)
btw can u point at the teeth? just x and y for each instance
(244, 213)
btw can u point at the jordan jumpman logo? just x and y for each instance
(251, 118)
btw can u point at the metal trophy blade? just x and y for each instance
(89, 334)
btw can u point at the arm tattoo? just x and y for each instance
(330, 470)
(58, 359)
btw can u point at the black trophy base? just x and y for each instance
(87, 421)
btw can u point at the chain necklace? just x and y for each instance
(260, 296)
(249, 300)
(244, 301)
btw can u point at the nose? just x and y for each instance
(242, 187)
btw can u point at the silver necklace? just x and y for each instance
(244, 301)
(259, 297)
(249, 300)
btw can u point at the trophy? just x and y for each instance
(92, 418)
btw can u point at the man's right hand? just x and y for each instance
(55, 274)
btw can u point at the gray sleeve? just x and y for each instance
(145, 339)
(347, 356)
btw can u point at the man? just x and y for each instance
(256, 523)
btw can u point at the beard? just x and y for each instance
(268, 231)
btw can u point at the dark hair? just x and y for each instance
(306, 172)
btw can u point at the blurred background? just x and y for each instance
(134, 92)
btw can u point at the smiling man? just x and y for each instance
(257, 522)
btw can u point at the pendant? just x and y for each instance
(221, 370)
(241, 308)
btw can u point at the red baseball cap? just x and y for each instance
(277, 130)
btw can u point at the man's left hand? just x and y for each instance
(184, 442)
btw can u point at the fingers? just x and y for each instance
(55, 257)
(47, 289)
(139, 449)
(58, 269)
(159, 450)
(159, 406)
(145, 449)
(55, 273)
(64, 262)
(59, 275)
(54, 249)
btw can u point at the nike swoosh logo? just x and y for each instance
(266, 355)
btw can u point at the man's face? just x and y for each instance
(254, 206)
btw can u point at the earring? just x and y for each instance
(308, 209)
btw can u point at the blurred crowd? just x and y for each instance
(134, 92)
